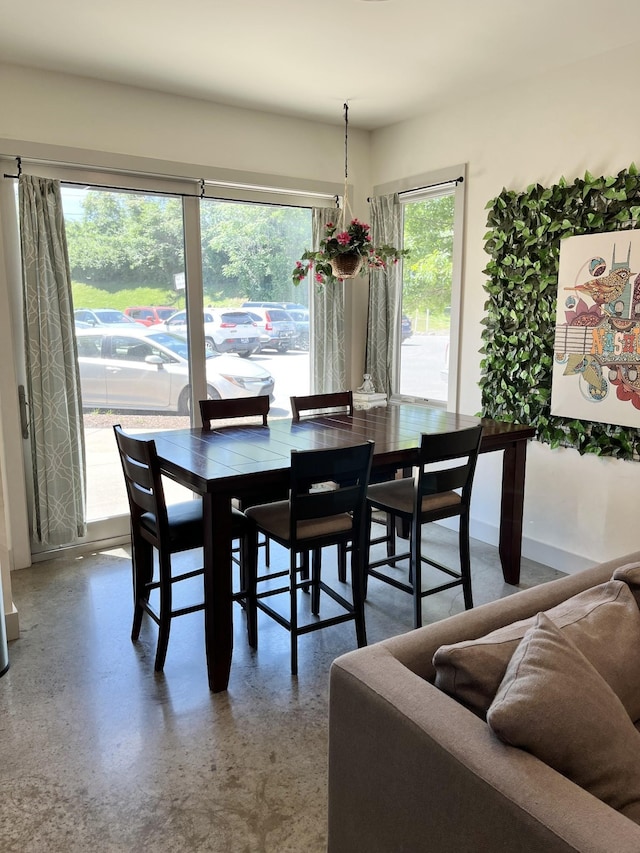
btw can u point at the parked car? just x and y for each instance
(150, 315)
(286, 305)
(300, 317)
(225, 330)
(406, 328)
(148, 369)
(279, 328)
(101, 316)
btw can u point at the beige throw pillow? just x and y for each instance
(630, 574)
(553, 703)
(604, 623)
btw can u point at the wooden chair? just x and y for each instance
(326, 507)
(168, 530)
(443, 492)
(321, 403)
(242, 407)
(325, 404)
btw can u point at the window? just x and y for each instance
(427, 341)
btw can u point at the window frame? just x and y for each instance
(414, 189)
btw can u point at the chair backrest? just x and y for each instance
(142, 477)
(319, 402)
(241, 407)
(458, 447)
(330, 482)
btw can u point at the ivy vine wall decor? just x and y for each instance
(524, 242)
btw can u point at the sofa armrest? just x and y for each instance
(412, 770)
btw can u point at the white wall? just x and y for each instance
(578, 510)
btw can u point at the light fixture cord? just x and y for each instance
(345, 197)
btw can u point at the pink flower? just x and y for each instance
(319, 278)
(299, 264)
(329, 225)
(344, 238)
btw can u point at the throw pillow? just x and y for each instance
(604, 622)
(630, 574)
(554, 704)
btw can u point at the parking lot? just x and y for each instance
(105, 487)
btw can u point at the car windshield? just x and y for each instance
(172, 342)
(175, 343)
(106, 316)
(165, 313)
(238, 318)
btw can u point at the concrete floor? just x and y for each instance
(98, 753)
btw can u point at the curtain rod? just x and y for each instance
(455, 181)
(201, 181)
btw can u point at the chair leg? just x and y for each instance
(267, 551)
(342, 562)
(165, 612)
(415, 563)
(249, 558)
(391, 535)
(366, 556)
(142, 570)
(293, 619)
(316, 566)
(357, 589)
(465, 561)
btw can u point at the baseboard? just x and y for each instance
(540, 552)
(12, 623)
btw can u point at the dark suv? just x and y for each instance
(279, 331)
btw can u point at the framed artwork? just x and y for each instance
(596, 365)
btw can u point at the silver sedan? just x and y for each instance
(145, 369)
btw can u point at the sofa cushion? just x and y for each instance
(604, 623)
(554, 704)
(630, 574)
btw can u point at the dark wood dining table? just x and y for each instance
(253, 462)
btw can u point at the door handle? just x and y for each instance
(24, 420)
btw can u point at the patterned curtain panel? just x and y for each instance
(385, 294)
(53, 384)
(328, 371)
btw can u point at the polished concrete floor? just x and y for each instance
(98, 753)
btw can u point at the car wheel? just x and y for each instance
(184, 401)
(246, 353)
(283, 348)
(209, 346)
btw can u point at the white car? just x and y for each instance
(225, 330)
(147, 369)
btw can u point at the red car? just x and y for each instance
(149, 315)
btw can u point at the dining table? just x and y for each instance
(252, 463)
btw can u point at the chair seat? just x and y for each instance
(185, 523)
(273, 518)
(397, 496)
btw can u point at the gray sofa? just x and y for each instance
(411, 769)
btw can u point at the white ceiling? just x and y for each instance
(390, 59)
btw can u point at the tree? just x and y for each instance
(127, 237)
(254, 246)
(428, 234)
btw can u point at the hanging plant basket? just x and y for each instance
(347, 265)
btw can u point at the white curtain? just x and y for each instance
(385, 294)
(58, 514)
(328, 372)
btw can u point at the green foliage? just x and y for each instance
(428, 235)
(124, 240)
(523, 243)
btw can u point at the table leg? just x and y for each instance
(218, 617)
(511, 510)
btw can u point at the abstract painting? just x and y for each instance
(596, 366)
